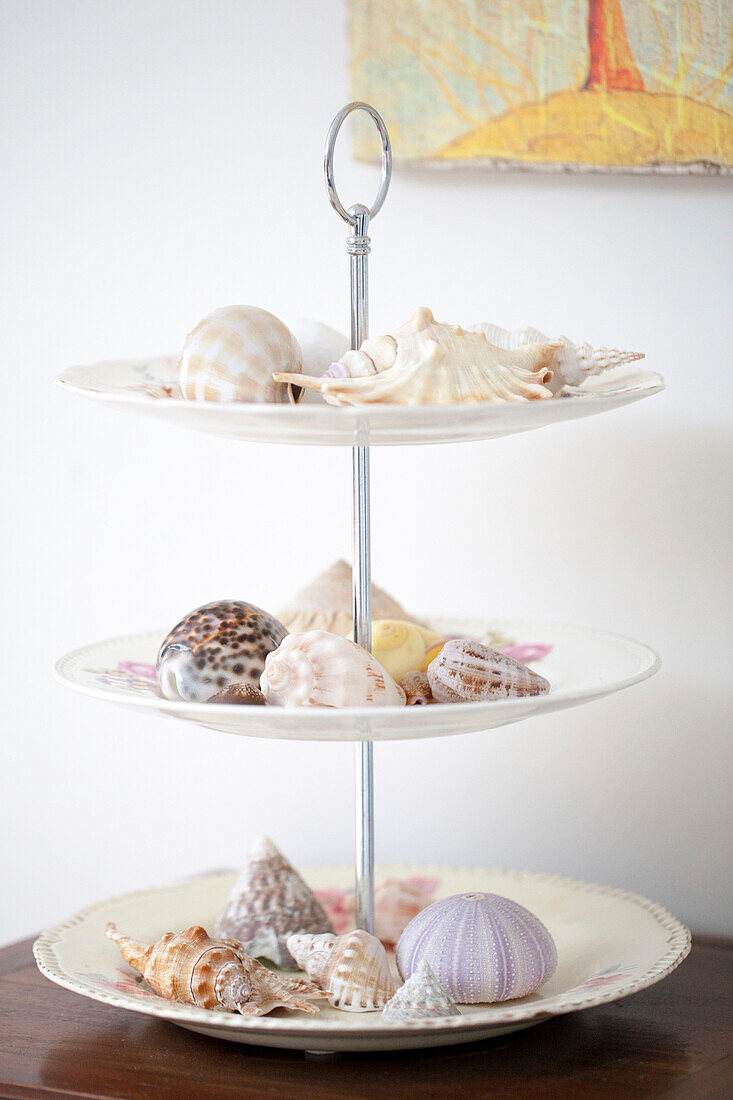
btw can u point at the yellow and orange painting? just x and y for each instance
(634, 85)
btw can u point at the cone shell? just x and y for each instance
(571, 364)
(469, 672)
(270, 902)
(416, 687)
(481, 948)
(215, 647)
(193, 968)
(421, 997)
(327, 604)
(318, 669)
(426, 362)
(231, 356)
(402, 647)
(352, 969)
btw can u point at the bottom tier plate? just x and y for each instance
(610, 943)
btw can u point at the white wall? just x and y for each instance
(163, 159)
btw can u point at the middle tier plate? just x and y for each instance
(581, 665)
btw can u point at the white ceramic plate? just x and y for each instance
(610, 943)
(150, 386)
(581, 665)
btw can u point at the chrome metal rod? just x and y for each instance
(358, 248)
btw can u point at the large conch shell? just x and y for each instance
(421, 997)
(571, 364)
(269, 902)
(216, 647)
(426, 362)
(403, 647)
(318, 669)
(231, 356)
(352, 969)
(327, 604)
(195, 969)
(468, 672)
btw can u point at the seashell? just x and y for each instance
(416, 687)
(396, 902)
(571, 363)
(327, 604)
(214, 647)
(195, 969)
(241, 694)
(421, 997)
(269, 902)
(352, 969)
(481, 947)
(401, 647)
(318, 669)
(231, 356)
(466, 672)
(320, 345)
(430, 363)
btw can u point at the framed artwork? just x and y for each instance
(610, 85)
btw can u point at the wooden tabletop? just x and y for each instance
(675, 1039)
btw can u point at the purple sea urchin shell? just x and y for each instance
(481, 948)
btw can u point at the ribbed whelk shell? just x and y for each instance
(269, 902)
(193, 968)
(353, 969)
(421, 997)
(327, 604)
(214, 647)
(481, 947)
(232, 353)
(571, 364)
(318, 669)
(426, 362)
(468, 672)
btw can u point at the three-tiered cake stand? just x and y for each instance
(610, 943)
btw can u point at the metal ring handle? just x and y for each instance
(328, 161)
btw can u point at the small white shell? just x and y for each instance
(318, 669)
(571, 363)
(320, 346)
(352, 969)
(426, 362)
(231, 356)
(468, 672)
(420, 997)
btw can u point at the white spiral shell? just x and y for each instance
(319, 669)
(571, 363)
(420, 997)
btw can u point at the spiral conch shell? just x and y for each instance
(193, 968)
(468, 672)
(352, 969)
(571, 364)
(421, 997)
(426, 362)
(318, 669)
(216, 647)
(269, 902)
(231, 356)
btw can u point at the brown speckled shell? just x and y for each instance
(216, 646)
(416, 687)
(241, 695)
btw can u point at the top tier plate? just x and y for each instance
(150, 386)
